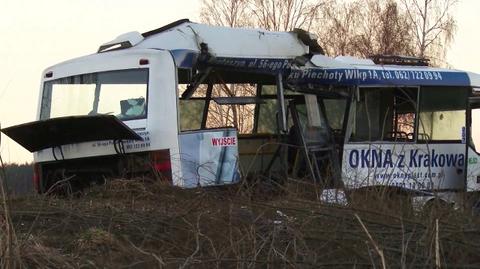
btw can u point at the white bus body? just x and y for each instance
(408, 127)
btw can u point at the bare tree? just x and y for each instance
(338, 27)
(232, 13)
(285, 15)
(363, 28)
(395, 34)
(274, 15)
(433, 24)
(387, 30)
(424, 28)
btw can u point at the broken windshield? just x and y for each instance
(122, 93)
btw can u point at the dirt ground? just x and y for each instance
(133, 224)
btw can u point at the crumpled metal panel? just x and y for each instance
(43, 134)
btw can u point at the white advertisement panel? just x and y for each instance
(410, 166)
(209, 157)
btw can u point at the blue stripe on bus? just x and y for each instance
(397, 75)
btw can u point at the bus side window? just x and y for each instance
(240, 115)
(335, 112)
(267, 121)
(191, 110)
(385, 114)
(220, 114)
(442, 113)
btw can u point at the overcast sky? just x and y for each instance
(36, 34)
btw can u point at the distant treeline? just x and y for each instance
(19, 178)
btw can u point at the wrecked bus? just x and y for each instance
(143, 105)
(201, 105)
(407, 126)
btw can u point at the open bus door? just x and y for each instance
(318, 144)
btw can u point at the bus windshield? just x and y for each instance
(122, 93)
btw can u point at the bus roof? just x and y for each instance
(267, 52)
(222, 41)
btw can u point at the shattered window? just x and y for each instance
(237, 109)
(384, 114)
(232, 105)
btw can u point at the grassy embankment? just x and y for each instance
(131, 224)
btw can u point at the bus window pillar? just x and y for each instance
(281, 112)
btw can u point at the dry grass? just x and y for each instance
(133, 224)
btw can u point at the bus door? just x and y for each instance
(318, 126)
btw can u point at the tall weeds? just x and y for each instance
(131, 223)
(9, 254)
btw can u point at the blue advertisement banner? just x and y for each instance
(354, 76)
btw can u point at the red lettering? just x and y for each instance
(224, 141)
